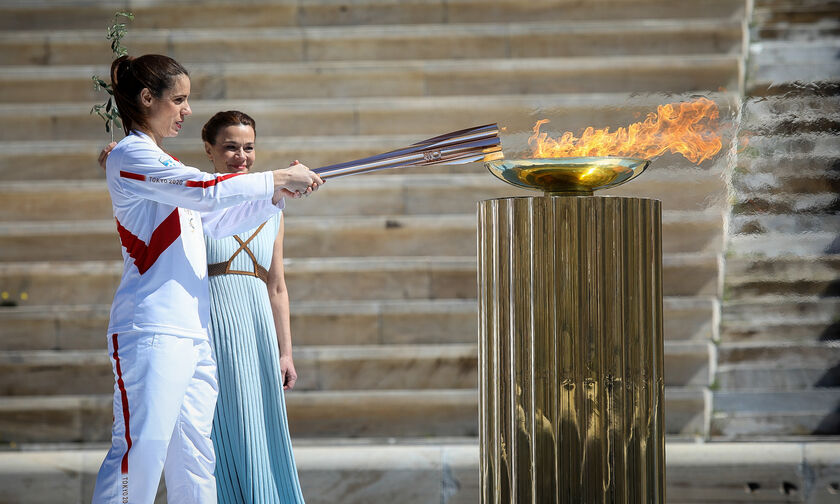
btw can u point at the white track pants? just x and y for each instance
(164, 399)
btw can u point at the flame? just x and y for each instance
(687, 128)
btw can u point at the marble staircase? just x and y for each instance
(381, 267)
(778, 358)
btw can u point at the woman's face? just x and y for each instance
(234, 150)
(167, 113)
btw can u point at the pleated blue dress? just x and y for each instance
(254, 459)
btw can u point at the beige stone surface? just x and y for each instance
(671, 74)
(447, 472)
(319, 279)
(445, 321)
(323, 368)
(456, 41)
(739, 414)
(273, 13)
(336, 415)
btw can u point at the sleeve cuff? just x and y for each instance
(269, 184)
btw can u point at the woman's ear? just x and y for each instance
(208, 149)
(146, 97)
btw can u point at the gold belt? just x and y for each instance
(216, 269)
(223, 268)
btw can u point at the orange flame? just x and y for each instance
(688, 128)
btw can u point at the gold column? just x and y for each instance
(571, 350)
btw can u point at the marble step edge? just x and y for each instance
(400, 104)
(777, 142)
(383, 31)
(700, 304)
(796, 202)
(799, 122)
(319, 353)
(444, 469)
(775, 351)
(123, 4)
(778, 244)
(465, 222)
(294, 399)
(711, 472)
(752, 264)
(785, 105)
(782, 225)
(327, 149)
(312, 399)
(425, 412)
(757, 402)
(669, 63)
(367, 181)
(329, 264)
(789, 164)
(326, 12)
(776, 325)
(351, 452)
(780, 309)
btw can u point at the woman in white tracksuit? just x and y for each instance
(165, 374)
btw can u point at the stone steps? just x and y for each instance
(42, 14)
(775, 109)
(383, 42)
(796, 224)
(789, 319)
(745, 415)
(779, 367)
(792, 124)
(420, 472)
(606, 74)
(323, 279)
(781, 203)
(427, 116)
(781, 244)
(364, 413)
(401, 322)
(777, 61)
(398, 235)
(321, 368)
(777, 362)
(813, 145)
(393, 194)
(781, 308)
(780, 276)
(793, 331)
(804, 170)
(75, 160)
(789, 186)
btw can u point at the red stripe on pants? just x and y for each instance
(124, 397)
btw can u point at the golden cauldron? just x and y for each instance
(572, 176)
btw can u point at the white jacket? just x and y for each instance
(163, 209)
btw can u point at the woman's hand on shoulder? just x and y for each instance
(103, 156)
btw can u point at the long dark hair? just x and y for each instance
(220, 120)
(130, 75)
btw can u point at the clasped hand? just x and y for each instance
(296, 181)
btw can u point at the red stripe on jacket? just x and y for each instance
(135, 176)
(208, 183)
(124, 399)
(162, 237)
